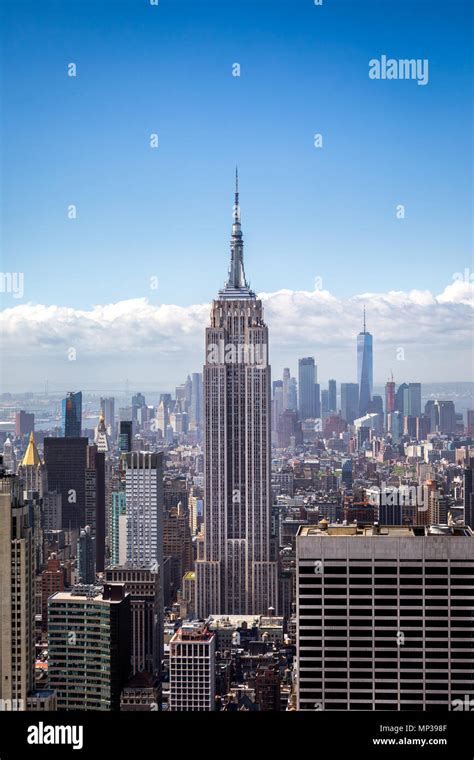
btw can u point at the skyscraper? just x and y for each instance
(95, 500)
(89, 633)
(277, 408)
(101, 439)
(195, 415)
(177, 545)
(293, 395)
(118, 531)
(52, 580)
(389, 398)
(412, 400)
(332, 390)
(144, 500)
(237, 572)
(143, 584)
(71, 415)
(125, 436)
(307, 376)
(349, 402)
(24, 423)
(445, 413)
(86, 556)
(31, 469)
(108, 408)
(66, 461)
(192, 668)
(383, 617)
(317, 400)
(286, 389)
(17, 653)
(324, 403)
(364, 369)
(468, 494)
(400, 399)
(162, 418)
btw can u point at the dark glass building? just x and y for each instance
(71, 415)
(125, 436)
(66, 461)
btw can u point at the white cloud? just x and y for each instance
(170, 338)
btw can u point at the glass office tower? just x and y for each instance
(71, 415)
(364, 369)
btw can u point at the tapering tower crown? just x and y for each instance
(236, 285)
(31, 458)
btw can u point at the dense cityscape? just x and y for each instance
(242, 544)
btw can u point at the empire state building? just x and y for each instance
(236, 571)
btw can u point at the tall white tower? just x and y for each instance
(144, 500)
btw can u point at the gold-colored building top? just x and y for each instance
(31, 458)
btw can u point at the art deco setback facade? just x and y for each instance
(238, 573)
(384, 617)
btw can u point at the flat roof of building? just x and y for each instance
(193, 630)
(408, 531)
(227, 621)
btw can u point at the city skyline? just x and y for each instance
(236, 439)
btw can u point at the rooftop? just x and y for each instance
(408, 531)
(194, 630)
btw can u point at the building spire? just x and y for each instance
(236, 213)
(31, 458)
(364, 320)
(236, 284)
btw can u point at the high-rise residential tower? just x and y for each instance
(389, 397)
(237, 573)
(144, 500)
(364, 369)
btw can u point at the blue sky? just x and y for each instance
(166, 212)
